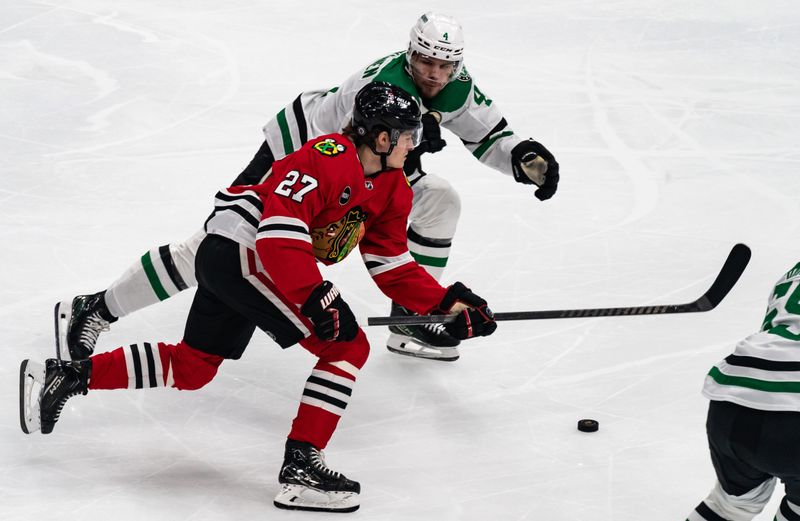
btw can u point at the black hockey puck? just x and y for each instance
(588, 425)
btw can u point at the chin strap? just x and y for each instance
(383, 156)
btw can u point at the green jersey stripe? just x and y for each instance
(484, 147)
(753, 383)
(286, 134)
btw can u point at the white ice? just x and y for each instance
(676, 126)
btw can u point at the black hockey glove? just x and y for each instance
(332, 318)
(474, 316)
(431, 143)
(522, 160)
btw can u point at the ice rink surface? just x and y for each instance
(676, 126)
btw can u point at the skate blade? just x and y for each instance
(63, 314)
(299, 497)
(31, 382)
(407, 346)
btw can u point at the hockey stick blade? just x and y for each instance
(733, 268)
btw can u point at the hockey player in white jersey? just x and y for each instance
(753, 421)
(431, 69)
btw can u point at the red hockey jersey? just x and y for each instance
(317, 205)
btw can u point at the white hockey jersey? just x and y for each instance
(764, 370)
(465, 111)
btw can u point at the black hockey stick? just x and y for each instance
(731, 271)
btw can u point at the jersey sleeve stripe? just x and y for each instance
(481, 150)
(283, 234)
(290, 221)
(250, 196)
(297, 108)
(247, 205)
(377, 264)
(286, 134)
(244, 214)
(283, 228)
(497, 128)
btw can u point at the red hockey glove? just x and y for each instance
(474, 318)
(330, 314)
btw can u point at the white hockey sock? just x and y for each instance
(158, 275)
(431, 254)
(721, 505)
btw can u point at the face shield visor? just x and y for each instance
(415, 134)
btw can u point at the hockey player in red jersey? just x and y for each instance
(432, 69)
(258, 267)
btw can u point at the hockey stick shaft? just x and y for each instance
(727, 277)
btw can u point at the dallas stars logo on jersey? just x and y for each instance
(329, 147)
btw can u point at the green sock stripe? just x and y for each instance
(152, 276)
(286, 134)
(424, 260)
(484, 147)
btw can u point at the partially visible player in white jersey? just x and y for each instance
(432, 70)
(753, 421)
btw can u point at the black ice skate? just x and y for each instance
(432, 340)
(79, 323)
(308, 484)
(43, 391)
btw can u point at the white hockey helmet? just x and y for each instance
(439, 36)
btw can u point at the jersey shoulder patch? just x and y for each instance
(329, 147)
(463, 75)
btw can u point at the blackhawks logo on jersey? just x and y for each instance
(333, 242)
(329, 147)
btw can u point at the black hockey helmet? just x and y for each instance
(383, 107)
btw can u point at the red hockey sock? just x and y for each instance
(139, 366)
(328, 389)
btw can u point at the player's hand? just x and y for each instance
(330, 314)
(532, 163)
(474, 318)
(431, 143)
